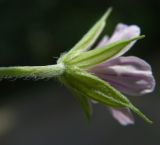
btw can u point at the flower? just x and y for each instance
(102, 74)
(130, 75)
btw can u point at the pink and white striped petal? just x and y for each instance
(122, 32)
(123, 116)
(130, 75)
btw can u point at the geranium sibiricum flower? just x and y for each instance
(101, 74)
(130, 75)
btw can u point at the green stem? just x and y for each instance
(35, 72)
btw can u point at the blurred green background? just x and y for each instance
(36, 32)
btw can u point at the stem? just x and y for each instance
(35, 72)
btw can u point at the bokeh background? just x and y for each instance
(35, 32)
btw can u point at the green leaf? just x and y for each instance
(88, 39)
(99, 55)
(98, 90)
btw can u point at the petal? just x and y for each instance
(103, 41)
(123, 116)
(130, 75)
(122, 32)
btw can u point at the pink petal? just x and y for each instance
(122, 32)
(103, 41)
(130, 75)
(123, 116)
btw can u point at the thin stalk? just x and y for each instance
(34, 72)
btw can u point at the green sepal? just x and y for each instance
(99, 55)
(88, 39)
(96, 89)
(82, 99)
(85, 103)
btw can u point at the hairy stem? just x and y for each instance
(35, 72)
